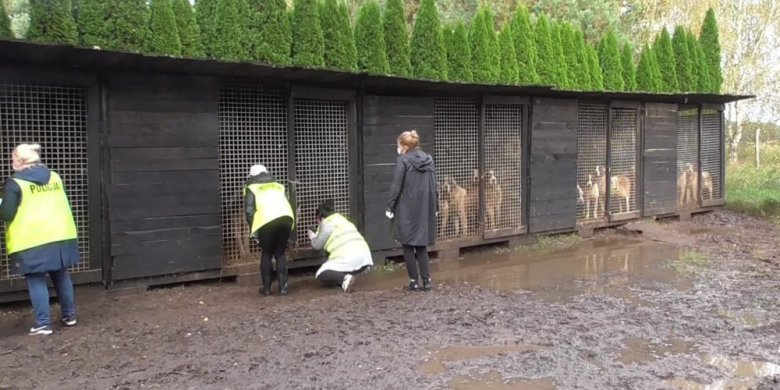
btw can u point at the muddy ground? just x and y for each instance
(686, 305)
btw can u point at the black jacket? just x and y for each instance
(414, 199)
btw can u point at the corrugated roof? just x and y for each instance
(18, 53)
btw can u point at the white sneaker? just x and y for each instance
(40, 330)
(346, 285)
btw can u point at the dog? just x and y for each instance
(686, 185)
(621, 187)
(706, 183)
(493, 199)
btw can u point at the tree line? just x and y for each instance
(525, 50)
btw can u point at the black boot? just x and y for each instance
(282, 276)
(426, 284)
(413, 286)
(265, 290)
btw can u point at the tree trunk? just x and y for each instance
(737, 137)
(758, 147)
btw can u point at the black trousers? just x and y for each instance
(273, 238)
(333, 278)
(414, 255)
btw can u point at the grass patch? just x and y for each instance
(558, 241)
(689, 261)
(755, 191)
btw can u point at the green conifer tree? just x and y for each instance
(584, 77)
(665, 55)
(629, 69)
(5, 23)
(525, 48)
(705, 77)
(709, 39)
(509, 73)
(397, 39)
(189, 34)
(428, 55)
(459, 55)
(569, 42)
(118, 25)
(545, 54)
(340, 50)
(683, 64)
(611, 66)
(232, 21)
(561, 63)
(692, 43)
(270, 34)
(308, 44)
(164, 34)
(644, 75)
(370, 40)
(206, 16)
(51, 21)
(596, 75)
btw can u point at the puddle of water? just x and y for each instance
(435, 364)
(745, 319)
(640, 350)
(495, 381)
(741, 375)
(610, 263)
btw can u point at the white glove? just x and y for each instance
(389, 214)
(311, 235)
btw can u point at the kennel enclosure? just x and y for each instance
(155, 151)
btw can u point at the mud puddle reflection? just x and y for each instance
(605, 265)
(639, 350)
(435, 364)
(495, 381)
(740, 375)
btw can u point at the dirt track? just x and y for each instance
(644, 312)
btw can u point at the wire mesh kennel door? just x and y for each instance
(56, 118)
(502, 179)
(711, 157)
(591, 162)
(321, 159)
(687, 157)
(252, 130)
(456, 155)
(622, 163)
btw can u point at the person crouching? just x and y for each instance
(348, 253)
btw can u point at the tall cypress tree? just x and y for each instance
(569, 42)
(483, 67)
(710, 44)
(51, 21)
(596, 75)
(705, 78)
(308, 44)
(428, 57)
(459, 55)
(164, 37)
(664, 53)
(611, 66)
(545, 64)
(683, 63)
(525, 48)
(231, 41)
(561, 64)
(121, 25)
(340, 50)
(629, 69)
(189, 34)
(509, 72)
(644, 75)
(397, 39)
(206, 16)
(655, 68)
(270, 32)
(584, 77)
(5, 23)
(692, 43)
(370, 40)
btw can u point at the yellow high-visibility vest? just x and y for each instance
(270, 204)
(345, 240)
(43, 216)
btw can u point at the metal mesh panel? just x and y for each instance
(56, 118)
(503, 196)
(687, 157)
(622, 168)
(456, 155)
(322, 159)
(253, 129)
(711, 145)
(591, 161)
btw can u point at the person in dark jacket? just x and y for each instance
(413, 206)
(41, 235)
(271, 220)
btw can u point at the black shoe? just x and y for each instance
(265, 290)
(413, 286)
(427, 284)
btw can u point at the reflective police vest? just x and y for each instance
(43, 216)
(270, 204)
(345, 239)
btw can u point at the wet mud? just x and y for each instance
(675, 305)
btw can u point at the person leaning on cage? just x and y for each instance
(413, 206)
(271, 221)
(40, 236)
(347, 250)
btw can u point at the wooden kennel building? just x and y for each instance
(155, 150)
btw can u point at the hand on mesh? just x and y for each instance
(389, 214)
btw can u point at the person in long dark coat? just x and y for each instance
(413, 206)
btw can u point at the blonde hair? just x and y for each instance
(28, 154)
(409, 139)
